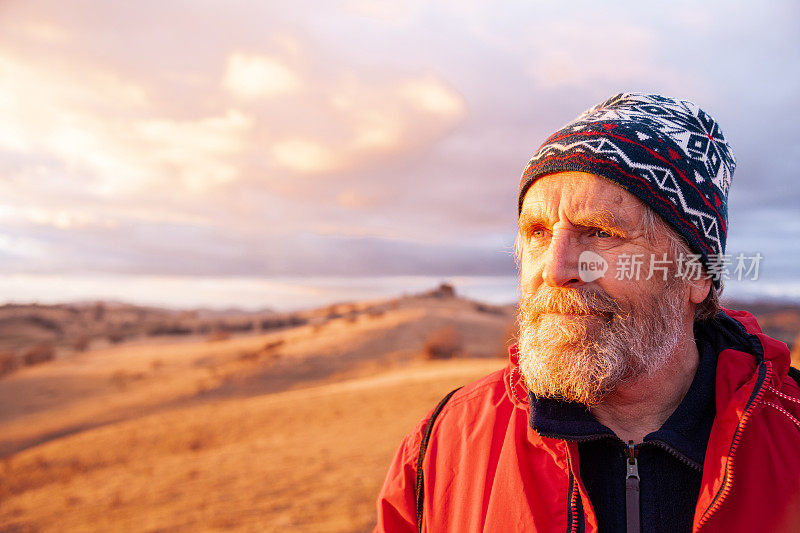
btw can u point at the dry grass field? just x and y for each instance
(302, 460)
(285, 431)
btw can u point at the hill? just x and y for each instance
(303, 460)
(256, 431)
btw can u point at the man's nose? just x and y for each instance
(561, 259)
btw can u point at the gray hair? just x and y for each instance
(655, 225)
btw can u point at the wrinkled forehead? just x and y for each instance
(582, 196)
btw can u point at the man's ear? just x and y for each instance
(698, 290)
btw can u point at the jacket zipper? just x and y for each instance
(677, 455)
(632, 515)
(572, 523)
(572, 517)
(764, 373)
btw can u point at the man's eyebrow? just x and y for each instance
(527, 218)
(598, 219)
(601, 219)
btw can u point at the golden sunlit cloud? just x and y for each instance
(88, 119)
(375, 130)
(255, 76)
(66, 219)
(304, 156)
(432, 95)
(111, 136)
(201, 151)
(382, 119)
(375, 127)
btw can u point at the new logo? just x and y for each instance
(591, 266)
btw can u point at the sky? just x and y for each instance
(289, 154)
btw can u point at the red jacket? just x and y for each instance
(486, 470)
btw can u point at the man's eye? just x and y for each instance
(602, 234)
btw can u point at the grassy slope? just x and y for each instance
(308, 460)
(229, 435)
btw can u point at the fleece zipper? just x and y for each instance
(632, 513)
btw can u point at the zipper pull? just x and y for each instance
(632, 489)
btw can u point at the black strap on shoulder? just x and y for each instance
(794, 374)
(423, 446)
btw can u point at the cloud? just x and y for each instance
(376, 130)
(43, 103)
(352, 199)
(357, 137)
(199, 153)
(432, 95)
(304, 155)
(258, 76)
(93, 121)
(368, 122)
(591, 50)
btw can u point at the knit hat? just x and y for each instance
(669, 153)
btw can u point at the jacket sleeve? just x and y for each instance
(397, 507)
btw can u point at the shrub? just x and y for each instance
(282, 322)
(274, 344)
(169, 328)
(116, 337)
(8, 362)
(82, 343)
(120, 378)
(443, 343)
(376, 312)
(39, 353)
(99, 311)
(249, 356)
(488, 309)
(218, 336)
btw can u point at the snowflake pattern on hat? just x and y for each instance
(684, 122)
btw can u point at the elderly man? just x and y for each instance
(632, 402)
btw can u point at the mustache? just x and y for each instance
(569, 301)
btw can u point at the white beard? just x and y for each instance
(583, 358)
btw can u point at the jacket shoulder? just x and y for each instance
(462, 407)
(745, 318)
(475, 409)
(791, 386)
(476, 397)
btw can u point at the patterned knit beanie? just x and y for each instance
(669, 153)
